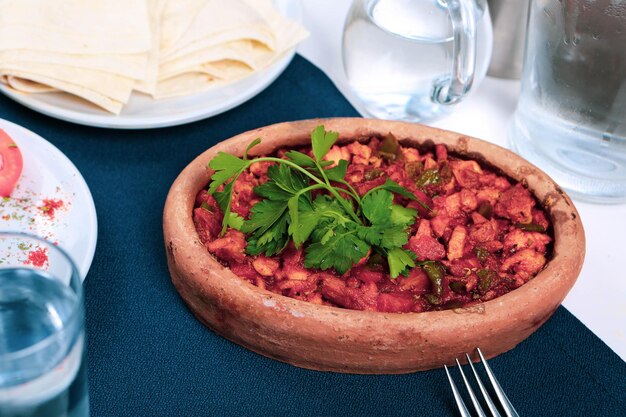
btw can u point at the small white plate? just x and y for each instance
(142, 112)
(49, 179)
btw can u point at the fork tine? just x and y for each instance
(477, 406)
(457, 397)
(504, 400)
(490, 404)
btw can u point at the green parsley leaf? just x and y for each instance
(325, 210)
(271, 242)
(226, 166)
(400, 261)
(386, 236)
(341, 250)
(235, 221)
(283, 183)
(394, 187)
(301, 159)
(263, 215)
(377, 206)
(308, 221)
(338, 172)
(287, 179)
(322, 141)
(250, 146)
(305, 160)
(302, 218)
(402, 216)
(223, 199)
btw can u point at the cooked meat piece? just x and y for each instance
(540, 219)
(245, 270)
(489, 195)
(410, 154)
(441, 152)
(266, 266)
(231, 247)
(337, 153)
(467, 173)
(298, 287)
(361, 154)
(208, 225)
(485, 231)
(468, 201)
(517, 240)
(260, 169)
(335, 290)
(524, 263)
(457, 243)
(424, 245)
(417, 282)
(366, 274)
(516, 204)
(395, 303)
(243, 194)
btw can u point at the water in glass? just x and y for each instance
(396, 53)
(571, 116)
(42, 364)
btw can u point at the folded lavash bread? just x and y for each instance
(86, 48)
(162, 48)
(221, 45)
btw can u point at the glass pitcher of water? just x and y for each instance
(414, 59)
(571, 116)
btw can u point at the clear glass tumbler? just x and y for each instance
(412, 60)
(571, 117)
(42, 333)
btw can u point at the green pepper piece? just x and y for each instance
(458, 287)
(485, 279)
(481, 253)
(206, 206)
(435, 272)
(390, 147)
(373, 174)
(428, 177)
(530, 227)
(376, 262)
(485, 210)
(433, 299)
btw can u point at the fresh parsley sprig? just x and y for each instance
(338, 227)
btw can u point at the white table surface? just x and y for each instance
(599, 297)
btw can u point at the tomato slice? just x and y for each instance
(10, 164)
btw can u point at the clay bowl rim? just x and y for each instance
(544, 292)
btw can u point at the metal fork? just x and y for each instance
(504, 401)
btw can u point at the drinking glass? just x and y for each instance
(42, 336)
(413, 60)
(571, 117)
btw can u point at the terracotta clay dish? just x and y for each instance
(329, 338)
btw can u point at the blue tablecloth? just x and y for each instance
(149, 356)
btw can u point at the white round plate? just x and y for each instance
(142, 112)
(50, 179)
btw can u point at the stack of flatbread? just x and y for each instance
(103, 50)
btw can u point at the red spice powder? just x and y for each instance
(50, 206)
(37, 258)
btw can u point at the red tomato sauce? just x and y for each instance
(484, 234)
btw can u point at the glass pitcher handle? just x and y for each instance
(463, 14)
